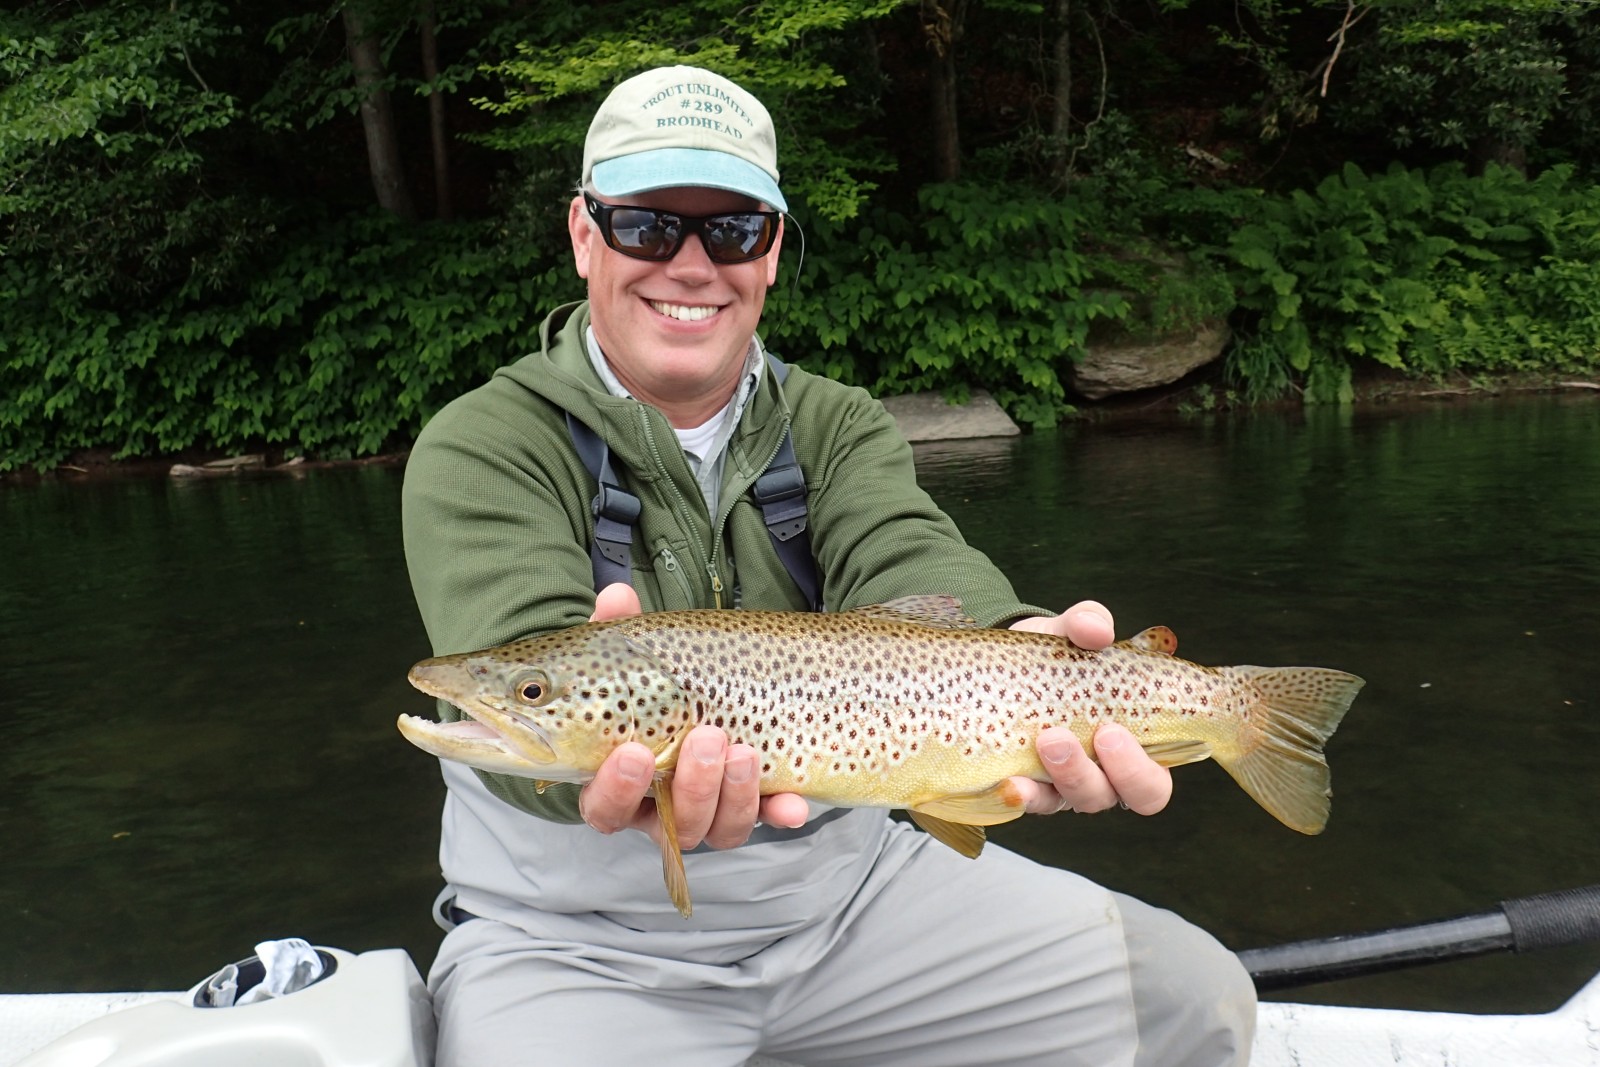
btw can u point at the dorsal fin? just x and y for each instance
(930, 610)
(1155, 639)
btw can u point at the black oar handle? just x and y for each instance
(1548, 920)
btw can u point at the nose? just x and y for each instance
(692, 263)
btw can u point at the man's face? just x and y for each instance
(674, 332)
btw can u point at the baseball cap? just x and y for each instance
(676, 126)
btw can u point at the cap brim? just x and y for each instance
(672, 168)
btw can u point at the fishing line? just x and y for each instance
(794, 284)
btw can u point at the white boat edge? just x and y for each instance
(374, 1011)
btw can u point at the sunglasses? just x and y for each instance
(642, 233)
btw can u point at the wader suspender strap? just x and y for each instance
(781, 493)
(616, 511)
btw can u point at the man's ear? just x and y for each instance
(582, 233)
(772, 256)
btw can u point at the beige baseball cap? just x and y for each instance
(677, 126)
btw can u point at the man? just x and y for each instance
(818, 936)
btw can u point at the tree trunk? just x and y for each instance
(443, 203)
(377, 118)
(1491, 149)
(1061, 120)
(941, 25)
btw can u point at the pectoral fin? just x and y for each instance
(1177, 753)
(671, 854)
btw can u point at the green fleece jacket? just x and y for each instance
(496, 512)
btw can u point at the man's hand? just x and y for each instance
(715, 788)
(1124, 775)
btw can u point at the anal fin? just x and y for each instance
(958, 819)
(1177, 753)
(967, 840)
(671, 855)
(997, 804)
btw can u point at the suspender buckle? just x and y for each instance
(781, 492)
(615, 504)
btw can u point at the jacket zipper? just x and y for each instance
(669, 563)
(683, 508)
(725, 509)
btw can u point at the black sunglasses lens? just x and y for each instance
(737, 238)
(641, 233)
(657, 235)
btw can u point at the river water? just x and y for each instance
(199, 680)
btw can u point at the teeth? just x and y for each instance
(684, 312)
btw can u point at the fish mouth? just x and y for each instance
(490, 719)
(525, 736)
(476, 745)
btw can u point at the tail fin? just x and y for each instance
(1279, 760)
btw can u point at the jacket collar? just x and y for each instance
(562, 373)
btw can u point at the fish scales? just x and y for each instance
(907, 704)
(834, 710)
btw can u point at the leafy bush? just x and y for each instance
(1424, 272)
(349, 334)
(983, 285)
(341, 346)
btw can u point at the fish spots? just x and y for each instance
(840, 695)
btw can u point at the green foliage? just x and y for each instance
(785, 52)
(105, 121)
(180, 269)
(985, 285)
(1478, 80)
(1482, 76)
(1421, 271)
(315, 83)
(342, 345)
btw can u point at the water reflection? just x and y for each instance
(200, 680)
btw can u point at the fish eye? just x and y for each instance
(532, 689)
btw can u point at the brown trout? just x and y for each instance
(901, 705)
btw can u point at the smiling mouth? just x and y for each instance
(684, 312)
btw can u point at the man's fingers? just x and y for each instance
(740, 799)
(788, 810)
(1139, 781)
(1089, 625)
(612, 801)
(1081, 783)
(697, 783)
(1086, 624)
(716, 792)
(615, 601)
